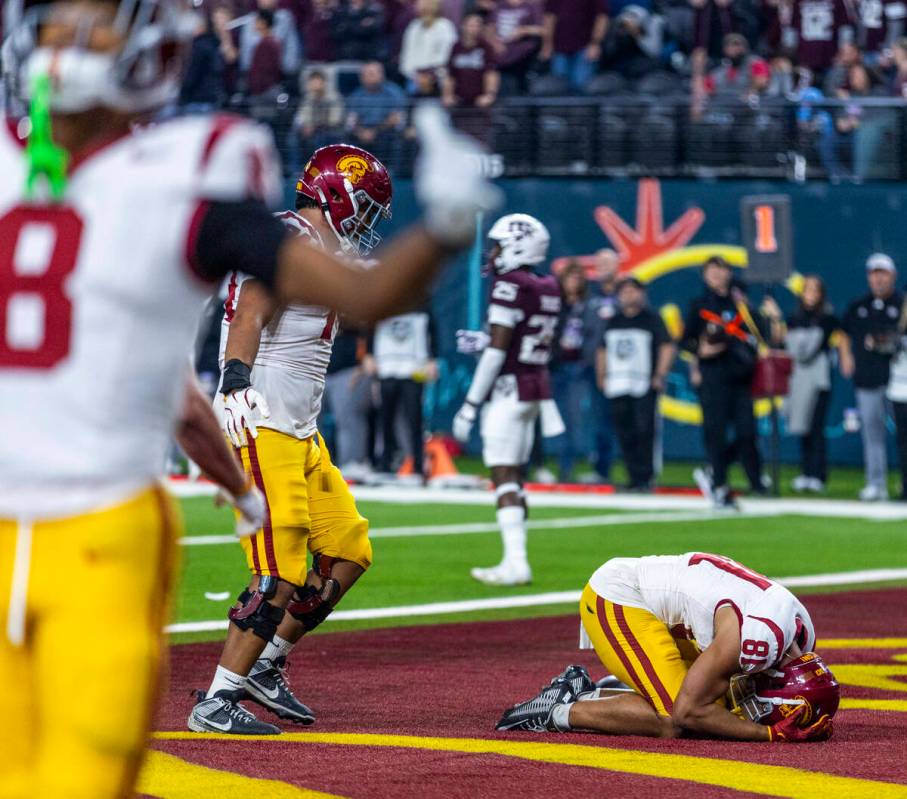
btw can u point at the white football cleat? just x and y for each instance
(504, 574)
(704, 484)
(873, 493)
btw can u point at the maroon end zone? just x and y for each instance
(454, 680)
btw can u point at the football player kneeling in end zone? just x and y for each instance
(696, 643)
(513, 369)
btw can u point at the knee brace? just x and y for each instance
(311, 606)
(254, 612)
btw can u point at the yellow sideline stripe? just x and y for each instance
(899, 705)
(738, 775)
(170, 777)
(861, 643)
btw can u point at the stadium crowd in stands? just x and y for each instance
(786, 68)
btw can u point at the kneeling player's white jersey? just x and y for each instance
(99, 306)
(685, 591)
(294, 353)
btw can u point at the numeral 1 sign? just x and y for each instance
(766, 241)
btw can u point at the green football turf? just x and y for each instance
(425, 569)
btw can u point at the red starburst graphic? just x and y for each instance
(648, 239)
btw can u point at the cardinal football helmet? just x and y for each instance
(353, 190)
(521, 240)
(143, 74)
(769, 696)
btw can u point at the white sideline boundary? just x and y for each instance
(840, 508)
(535, 600)
(566, 523)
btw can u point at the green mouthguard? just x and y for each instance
(45, 159)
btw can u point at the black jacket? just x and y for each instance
(718, 320)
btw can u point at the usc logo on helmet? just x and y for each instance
(787, 709)
(353, 168)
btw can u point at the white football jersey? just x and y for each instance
(99, 304)
(293, 356)
(684, 591)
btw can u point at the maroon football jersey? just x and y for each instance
(818, 23)
(530, 304)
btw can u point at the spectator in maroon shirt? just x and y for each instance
(472, 77)
(572, 41)
(515, 33)
(818, 28)
(472, 82)
(265, 73)
(317, 38)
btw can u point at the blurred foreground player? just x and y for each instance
(703, 645)
(512, 380)
(273, 365)
(109, 244)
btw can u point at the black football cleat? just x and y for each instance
(577, 678)
(223, 714)
(267, 685)
(534, 715)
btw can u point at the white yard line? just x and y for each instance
(536, 600)
(565, 523)
(875, 511)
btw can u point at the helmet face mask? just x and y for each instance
(354, 192)
(126, 56)
(770, 696)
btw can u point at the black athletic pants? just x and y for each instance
(634, 422)
(728, 403)
(812, 446)
(900, 421)
(397, 393)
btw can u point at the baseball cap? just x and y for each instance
(630, 280)
(879, 260)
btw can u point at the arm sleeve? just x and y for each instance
(691, 329)
(237, 236)
(661, 331)
(487, 371)
(847, 321)
(505, 307)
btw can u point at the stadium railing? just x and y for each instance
(641, 135)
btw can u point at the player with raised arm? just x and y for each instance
(512, 381)
(110, 241)
(274, 361)
(703, 645)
